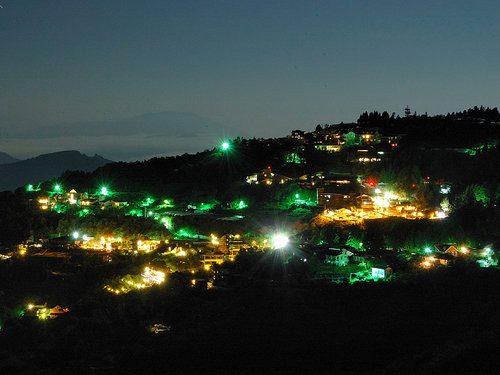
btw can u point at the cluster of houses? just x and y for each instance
(334, 138)
(446, 254)
(57, 200)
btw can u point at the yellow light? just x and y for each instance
(30, 306)
(381, 202)
(464, 250)
(207, 267)
(193, 282)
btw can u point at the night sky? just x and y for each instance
(257, 68)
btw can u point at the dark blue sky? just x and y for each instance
(263, 66)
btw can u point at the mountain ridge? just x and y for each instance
(6, 158)
(46, 166)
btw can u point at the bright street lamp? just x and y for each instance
(279, 241)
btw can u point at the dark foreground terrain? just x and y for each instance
(441, 322)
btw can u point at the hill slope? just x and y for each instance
(6, 158)
(46, 166)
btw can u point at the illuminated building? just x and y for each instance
(208, 260)
(328, 147)
(267, 177)
(331, 199)
(232, 244)
(451, 249)
(148, 245)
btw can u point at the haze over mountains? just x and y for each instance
(132, 138)
(44, 167)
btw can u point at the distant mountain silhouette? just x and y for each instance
(169, 123)
(46, 166)
(6, 158)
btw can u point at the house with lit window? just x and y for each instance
(232, 244)
(298, 135)
(267, 177)
(338, 257)
(208, 260)
(328, 147)
(148, 245)
(328, 197)
(450, 249)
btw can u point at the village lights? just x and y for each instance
(279, 241)
(214, 240)
(390, 195)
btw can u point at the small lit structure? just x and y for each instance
(72, 196)
(381, 273)
(451, 249)
(148, 245)
(208, 260)
(338, 257)
(44, 203)
(152, 276)
(267, 177)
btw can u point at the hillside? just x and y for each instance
(46, 166)
(6, 158)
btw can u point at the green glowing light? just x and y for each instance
(32, 188)
(57, 188)
(238, 205)
(137, 213)
(104, 191)
(167, 221)
(428, 250)
(225, 146)
(147, 202)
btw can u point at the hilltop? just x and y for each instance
(46, 166)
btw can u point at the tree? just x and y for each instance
(374, 239)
